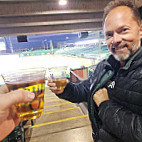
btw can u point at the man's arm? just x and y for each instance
(74, 92)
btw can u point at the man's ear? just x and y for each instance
(141, 31)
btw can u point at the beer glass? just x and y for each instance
(59, 76)
(33, 80)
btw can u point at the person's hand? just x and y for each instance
(8, 117)
(100, 96)
(53, 87)
(3, 89)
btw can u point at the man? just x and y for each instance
(115, 85)
(8, 117)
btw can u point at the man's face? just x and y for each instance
(122, 32)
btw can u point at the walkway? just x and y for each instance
(62, 121)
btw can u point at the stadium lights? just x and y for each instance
(62, 2)
(87, 42)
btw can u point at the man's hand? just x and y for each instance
(100, 96)
(53, 87)
(8, 117)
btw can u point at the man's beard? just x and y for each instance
(123, 57)
(120, 57)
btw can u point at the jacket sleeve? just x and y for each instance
(76, 92)
(121, 122)
(80, 92)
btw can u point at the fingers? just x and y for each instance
(67, 81)
(100, 96)
(3, 89)
(53, 87)
(103, 90)
(51, 84)
(50, 80)
(14, 97)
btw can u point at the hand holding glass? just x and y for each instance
(32, 80)
(58, 75)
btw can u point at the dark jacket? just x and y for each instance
(120, 118)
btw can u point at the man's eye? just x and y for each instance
(108, 35)
(125, 29)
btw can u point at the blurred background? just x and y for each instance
(48, 33)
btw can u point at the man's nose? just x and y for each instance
(116, 38)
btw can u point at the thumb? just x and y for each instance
(67, 81)
(50, 79)
(14, 97)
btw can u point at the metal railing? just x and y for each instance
(75, 78)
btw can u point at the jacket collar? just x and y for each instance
(136, 56)
(115, 65)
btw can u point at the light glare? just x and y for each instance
(87, 42)
(62, 2)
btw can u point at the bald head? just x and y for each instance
(118, 3)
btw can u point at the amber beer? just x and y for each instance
(60, 83)
(32, 80)
(58, 75)
(33, 109)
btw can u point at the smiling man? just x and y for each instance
(113, 91)
(122, 30)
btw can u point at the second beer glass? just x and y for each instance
(59, 76)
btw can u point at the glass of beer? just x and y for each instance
(33, 80)
(59, 76)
